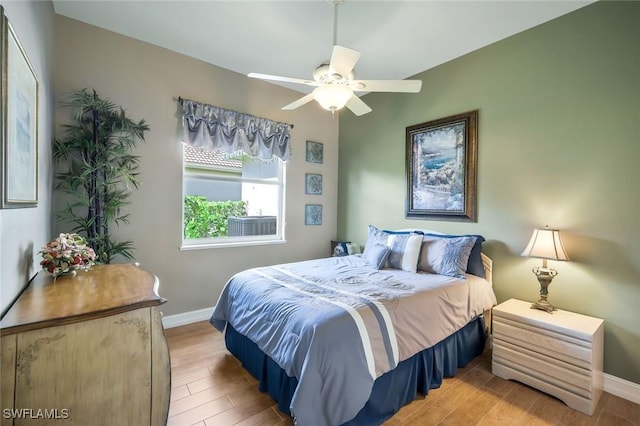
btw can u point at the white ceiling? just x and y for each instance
(397, 38)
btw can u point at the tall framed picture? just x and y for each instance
(441, 163)
(19, 123)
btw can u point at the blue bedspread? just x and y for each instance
(331, 323)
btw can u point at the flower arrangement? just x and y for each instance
(67, 253)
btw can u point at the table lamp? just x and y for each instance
(545, 244)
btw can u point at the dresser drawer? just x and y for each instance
(555, 345)
(558, 373)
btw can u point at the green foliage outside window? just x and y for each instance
(208, 219)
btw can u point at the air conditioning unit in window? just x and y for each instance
(252, 225)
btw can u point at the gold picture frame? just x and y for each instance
(19, 112)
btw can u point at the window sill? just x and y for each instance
(206, 246)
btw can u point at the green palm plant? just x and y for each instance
(97, 170)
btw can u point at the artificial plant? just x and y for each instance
(97, 170)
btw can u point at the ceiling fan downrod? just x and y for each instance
(335, 4)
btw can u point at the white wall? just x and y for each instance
(146, 80)
(24, 231)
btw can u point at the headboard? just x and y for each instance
(488, 272)
(488, 267)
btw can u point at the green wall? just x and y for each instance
(559, 109)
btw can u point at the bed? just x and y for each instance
(350, 340)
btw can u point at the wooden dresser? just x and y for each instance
(86, 350)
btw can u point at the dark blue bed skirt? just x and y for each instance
(391, 391)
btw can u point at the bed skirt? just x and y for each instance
(391, 391)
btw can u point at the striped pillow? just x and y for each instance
(405, 250)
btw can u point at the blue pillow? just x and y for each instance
(375, 237)
(402, 232)
(376, 255)
(446, 256)
(474, 265)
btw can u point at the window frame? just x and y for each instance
(240, 241)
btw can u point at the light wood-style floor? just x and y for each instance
(209, 387)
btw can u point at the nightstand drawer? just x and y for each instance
(555, 345)
(558, 373)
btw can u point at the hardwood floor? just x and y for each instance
(210, 387)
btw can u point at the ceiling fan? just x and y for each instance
(335, 83)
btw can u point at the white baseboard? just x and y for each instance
(187, 318)
(612, 384)
(622, 388)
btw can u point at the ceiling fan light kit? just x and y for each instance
(335, 82)
(332, 97)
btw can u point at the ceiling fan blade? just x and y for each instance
(407, 86)
(343, 60)
(295, 104)
(357, 105)
(283, 79)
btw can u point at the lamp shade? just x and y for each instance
(546, 244)
(332, 97)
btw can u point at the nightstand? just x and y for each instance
(559, 353)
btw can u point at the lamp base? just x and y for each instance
(545, 275)
(543, 305)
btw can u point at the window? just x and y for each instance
(231, 199)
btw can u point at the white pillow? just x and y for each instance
(353, 248)
(405, 250)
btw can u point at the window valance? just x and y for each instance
(214, 128)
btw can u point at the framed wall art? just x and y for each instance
(314, 152)
(313, 214)
(19, 123)
(441, 162)
(313, 184)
